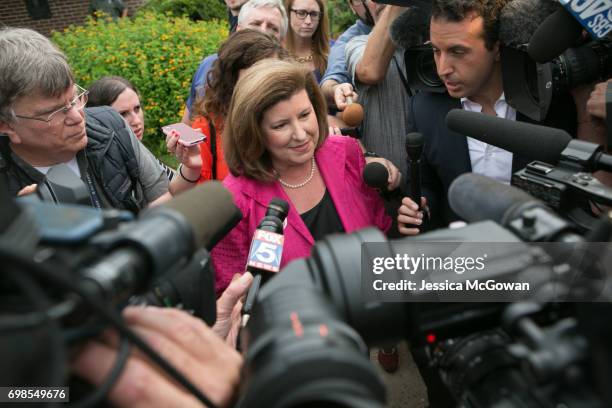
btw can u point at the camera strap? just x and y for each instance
(609, 115)
(213, 147)
(402, 77)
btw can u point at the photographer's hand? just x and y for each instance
(341, 93)
(596, 104)
(186, 342)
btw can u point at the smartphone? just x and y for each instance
(187, 135)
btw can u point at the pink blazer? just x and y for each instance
(341, 164)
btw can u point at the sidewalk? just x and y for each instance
(405, 386)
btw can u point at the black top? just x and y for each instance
(323, 219)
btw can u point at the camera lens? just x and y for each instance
(426, 70)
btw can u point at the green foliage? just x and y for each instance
(158, 53)
(341, 16)
(194, 9)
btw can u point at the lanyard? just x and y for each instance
(95, 200)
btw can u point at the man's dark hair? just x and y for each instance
(459, 10)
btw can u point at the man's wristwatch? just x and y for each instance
(370, 154)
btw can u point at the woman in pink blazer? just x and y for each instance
(276, 145)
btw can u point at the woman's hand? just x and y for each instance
(189, 156)
(31, 189)
(395, 176)
(229, 308)
(409, 217)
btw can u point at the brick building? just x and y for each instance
(49, 15)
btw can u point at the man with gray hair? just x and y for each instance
(268, 16)
(43, 124)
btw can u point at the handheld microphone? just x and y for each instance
(266, 251)
(532, 141)
(376, 176)
(414, 149)
(353, 114)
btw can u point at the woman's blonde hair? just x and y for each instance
(320, 38)
(260, 88)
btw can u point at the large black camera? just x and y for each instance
(305, 333)
(532, 87)
(68, 268)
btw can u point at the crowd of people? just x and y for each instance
(268, 104)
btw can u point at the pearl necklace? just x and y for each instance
(303, 183)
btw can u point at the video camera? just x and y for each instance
(561, 174)
(529, 29)
(316, 319)
(67, 268)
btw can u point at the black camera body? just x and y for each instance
(531, 87)
(525, 354)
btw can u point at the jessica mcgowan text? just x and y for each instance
(475, 285)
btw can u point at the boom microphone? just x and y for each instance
(558, 32)
(411, 28)
(520, 19)
(532, 141)
(475, 197)
(162, 237)
(209, 209)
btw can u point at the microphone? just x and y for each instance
(558, 32)
(475, 197)
(532, 141)
(519, 20)
(266, 251)
(376, 176)
(161, 238)
(411, 28)
(353, 113)
(210, 222)
(414, 149)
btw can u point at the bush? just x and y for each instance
(158, 53)
(194, 9)
(340, 16)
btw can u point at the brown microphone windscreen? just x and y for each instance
(353, 115)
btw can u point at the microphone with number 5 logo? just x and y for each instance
(266, 250)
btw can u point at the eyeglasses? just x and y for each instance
(301, 14)
(59, 116)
